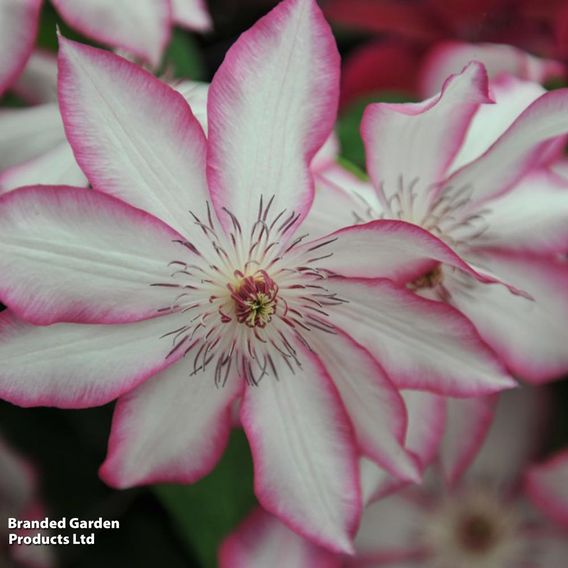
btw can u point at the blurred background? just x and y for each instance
(383, 45)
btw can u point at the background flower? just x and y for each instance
(478, 174)
(409, 38)
(19, 499)
(486, 518)
(140, 28)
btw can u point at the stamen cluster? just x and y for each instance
(474, 530)
(263, 293)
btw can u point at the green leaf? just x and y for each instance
(206, 512)
(183, 57)
(11, 100)
(556, 83)
(349, 123)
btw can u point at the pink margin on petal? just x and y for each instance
(268, 499)
(101, 35)
(227, 78)
(423, 448)
(407, 381)
(163, 93)
(532, 156)
(542, 497)
(525, 367)
(376, 113)
(20, 308)
(396, 400)
(498, 58)
(440, 252)
(113, 478)
(426, 448)
(230, 550)
(32, 20)
(25, 401)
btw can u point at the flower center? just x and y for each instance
(474, 529)
(445, 211)
(477, 533)
(255, 298)
(251, 295)
(431, 279)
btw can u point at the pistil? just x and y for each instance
(255, 297)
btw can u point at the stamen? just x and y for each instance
(256, 299)
(254, 302)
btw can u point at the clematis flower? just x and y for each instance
(140, 28)
(19, 499)
(480, 177)
(490, 519)
(445, 431)
(184, 276)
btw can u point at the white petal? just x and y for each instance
(18, 28)
(141, 28)
(422, 344)
(512, 96)
(547, 486)
(38, 82)
(410, 146)
(303, 451)
(388, 529)
(171, 429)
(195, 93)
(271, 108)
(449, 57)
(516, 151)
(55, 167)
(78, 365)
(132, 135)
(427, 417)
(341, 199)
(530, 336)
(71, 254)
(374, 406)
(467, 423)
(533, 216)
